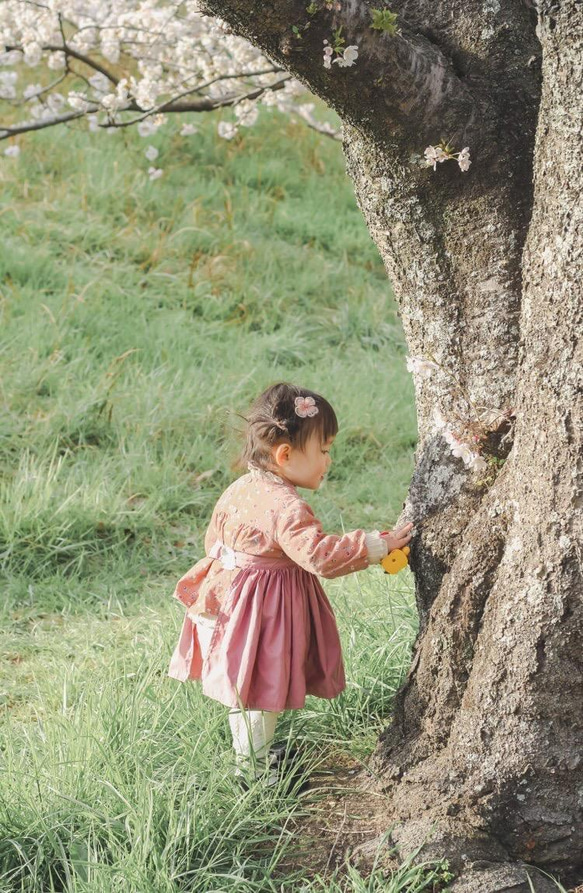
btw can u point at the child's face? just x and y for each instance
(307, 467)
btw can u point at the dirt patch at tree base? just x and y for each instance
(345, 822)
(342, 819)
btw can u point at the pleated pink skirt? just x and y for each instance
(275, 641)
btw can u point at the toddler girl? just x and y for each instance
(259, 630)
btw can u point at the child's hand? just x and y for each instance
(396, 539)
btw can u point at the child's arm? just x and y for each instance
(299, 533)
(188, 586)
(211, 532)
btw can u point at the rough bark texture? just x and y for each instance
(484, 756)
(489, 732)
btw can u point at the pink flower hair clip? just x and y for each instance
(305, 406)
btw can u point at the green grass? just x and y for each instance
(137, 317)
(116, 774)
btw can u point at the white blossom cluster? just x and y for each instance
(138, 57)
(346, 59)
(438, 154)
(142, 59)
(460, 447)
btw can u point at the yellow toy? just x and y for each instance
(396, 560)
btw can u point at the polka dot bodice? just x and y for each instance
(262, 514)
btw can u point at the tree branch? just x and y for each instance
(29, 126)
(204, 104)
(68, 51)
(400, 86)
(324, 128)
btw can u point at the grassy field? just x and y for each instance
(137, 317)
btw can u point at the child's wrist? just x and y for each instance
(376, 546)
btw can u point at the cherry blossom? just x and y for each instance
(140, 60)
(462, 450)
(148, 127)
(420, 366)
(57, 60)
(328, 52)
(226, 130)
(478, 463)
(151, 153)
(155, 173)
(32, 90)
(471, 424)
(435, 154)
(348, 58)
(246, 113)
(464, 159)
(8, 81)
(79, 101)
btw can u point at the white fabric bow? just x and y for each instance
(225, 555)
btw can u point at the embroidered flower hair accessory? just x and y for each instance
(305, 406)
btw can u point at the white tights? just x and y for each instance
(252, 730)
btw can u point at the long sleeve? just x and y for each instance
(211, 532)
(188, 587)
(299, 534)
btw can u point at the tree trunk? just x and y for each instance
(484, 755)
(489, 731)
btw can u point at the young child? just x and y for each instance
(259, 630)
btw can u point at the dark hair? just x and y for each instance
(272, 419)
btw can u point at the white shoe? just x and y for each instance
(268, 775)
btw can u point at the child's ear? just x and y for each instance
(281, 453)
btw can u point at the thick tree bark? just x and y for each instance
(486, 743)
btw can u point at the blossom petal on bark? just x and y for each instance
(421, 366)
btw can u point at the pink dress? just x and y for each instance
(275, 639)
